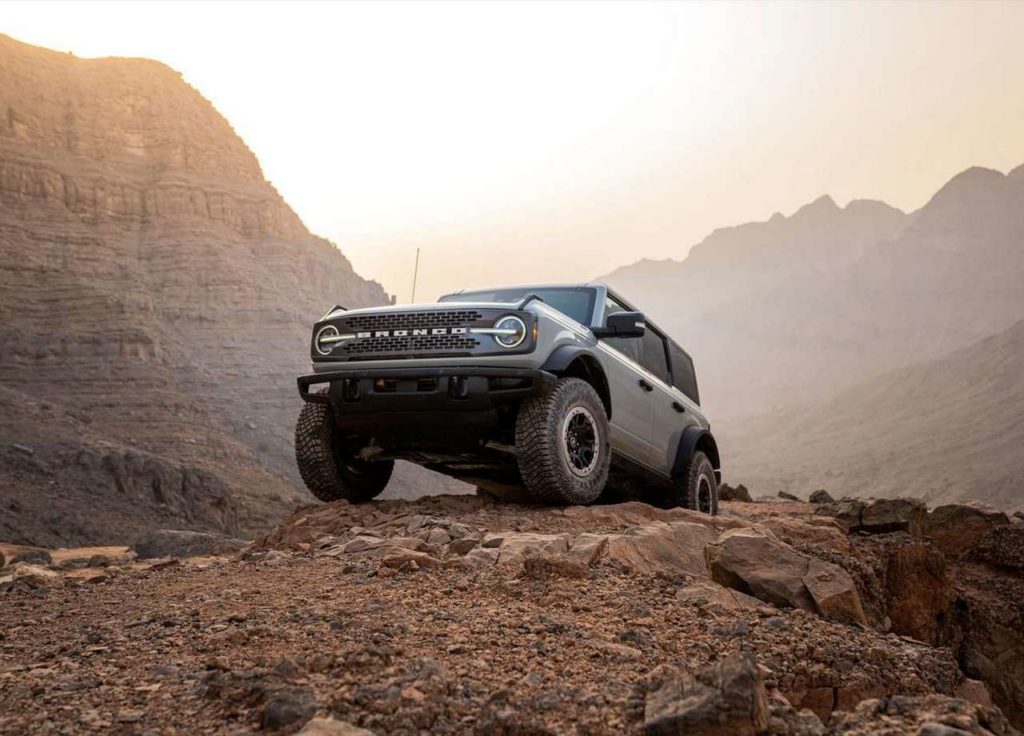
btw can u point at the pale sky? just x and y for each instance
(557, 141)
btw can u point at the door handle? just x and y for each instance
(644, 385)
(678, 407)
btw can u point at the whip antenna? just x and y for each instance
(415, 272)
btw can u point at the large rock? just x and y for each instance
(762, 566)
(674, 547)
(180, 543)
(739, 493)
(884, 515)
(1002, 547)
(814, 532)
(957, 528)
(331, 727)
(515, 546)
(821, 496)
(847, 512)
(928, 715)
(726, 699)
(11, 553)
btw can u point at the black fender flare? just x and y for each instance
(696, 438)
(565, 355)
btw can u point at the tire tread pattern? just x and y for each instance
(539, 444)
(318, 465)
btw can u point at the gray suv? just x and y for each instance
(566, 391)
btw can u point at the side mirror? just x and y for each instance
(621, 324)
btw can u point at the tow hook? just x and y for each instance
(458, 387)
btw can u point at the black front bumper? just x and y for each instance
(448, 388)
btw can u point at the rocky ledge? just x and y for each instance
(461, 615)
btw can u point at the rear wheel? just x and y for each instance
(562, 443)
(330, 472)
(697, 488)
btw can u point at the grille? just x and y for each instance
(411, 320)
(409, 344)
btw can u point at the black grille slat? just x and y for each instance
(407, 345)
(410, 343)
(412, 320)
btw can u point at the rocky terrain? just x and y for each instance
(461, 615)
(155, 300)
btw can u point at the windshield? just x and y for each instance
(576, 302)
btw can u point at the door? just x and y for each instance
(630, 425)
(671, 412)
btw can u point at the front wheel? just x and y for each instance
(697, 488)
(329, 471)
(562, 443)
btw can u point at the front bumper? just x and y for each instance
(411, 389)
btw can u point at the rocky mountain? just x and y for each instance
(949, 428)
(155, 298)
(797, 308)
(458, 615)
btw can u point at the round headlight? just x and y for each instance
(324, 347)
(513, 331)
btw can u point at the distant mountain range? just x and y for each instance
(783, 316)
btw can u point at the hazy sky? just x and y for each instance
(556, 141)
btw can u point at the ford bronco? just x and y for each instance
(562, 390)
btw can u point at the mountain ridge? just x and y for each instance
(143, 253)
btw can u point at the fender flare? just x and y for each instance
(563, 356)
(696, 438)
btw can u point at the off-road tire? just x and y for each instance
(697, 488)
(540, 434)
(328, 471)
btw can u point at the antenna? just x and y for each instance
(415, 273)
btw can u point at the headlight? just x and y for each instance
(513, 331)
(325, 340)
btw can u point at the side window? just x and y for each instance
(628, 346)
(654, 358)
(684, 377)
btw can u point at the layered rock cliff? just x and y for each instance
(155, 297)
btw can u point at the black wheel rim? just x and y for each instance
(580, 441)
(704, 494)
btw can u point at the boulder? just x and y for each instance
(11, 553)
(178, 543)
(1002, 547)
(673, 547)
(398, 557)
(821, 496)
(788, 496)
(739, 493)
(920, 715)
(517, 545)
(36, 576)
(706, 594)
(818, 533)
(725, 699)
(847, 512)
(331, 727)
(755, 563)
(834, 592)
(957, 528)
(885, 515)
(363, 543)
